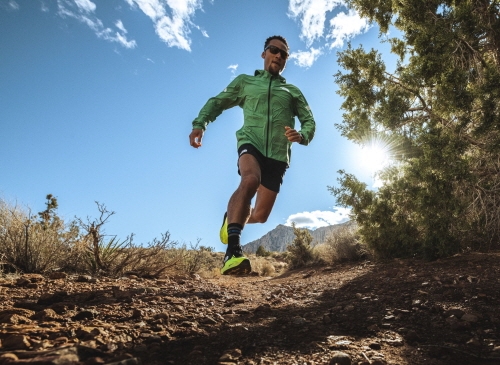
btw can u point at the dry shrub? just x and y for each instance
(342, 245)
(300, 252)
(263, 266)
(200, 259)
(36, 245)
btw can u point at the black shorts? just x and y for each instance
(272, 171)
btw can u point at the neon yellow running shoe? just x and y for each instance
(223, 230)
(236, 266)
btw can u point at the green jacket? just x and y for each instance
(269, 104)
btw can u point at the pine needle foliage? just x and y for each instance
(300, 251)
(440, 108)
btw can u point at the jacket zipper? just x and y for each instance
(268, 115)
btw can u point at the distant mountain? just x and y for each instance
(279, 238)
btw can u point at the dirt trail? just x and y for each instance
(399, 312)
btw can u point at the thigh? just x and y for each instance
(248, 165)
(264, 202)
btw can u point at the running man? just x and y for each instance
(270, 106)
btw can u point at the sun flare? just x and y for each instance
(375, 155)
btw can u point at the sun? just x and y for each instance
(374, 155)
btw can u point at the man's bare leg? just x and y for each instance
(238, 210)
(264, 203)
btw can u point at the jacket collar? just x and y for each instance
(267, 74)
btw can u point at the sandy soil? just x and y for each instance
(406, 312)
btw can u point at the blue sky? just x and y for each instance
(97, 100)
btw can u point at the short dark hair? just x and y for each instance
(278, 37)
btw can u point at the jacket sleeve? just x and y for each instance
(229, 97)
(307, 123)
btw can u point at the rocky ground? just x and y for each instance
(398, 312)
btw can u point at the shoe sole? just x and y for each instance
(243, 268)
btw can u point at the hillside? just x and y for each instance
(280, 237)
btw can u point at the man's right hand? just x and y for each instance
(195, 137)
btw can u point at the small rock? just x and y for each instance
(298, 321)
(411, 336)
(84, 278)
(22, 282)
(457, 312)
(49, 299)
(15, 316)
(8, 358)
(119, 293)
(57, 275)
(85, 314)
(35, 278)
(474, 342)
(340, 358)
(47, 315)
(396, 343)
(375, 346)
(231, 355)
(469, 318)
(263, 308)
(137, 313)
(16, 342)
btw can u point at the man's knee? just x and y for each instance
(250, 182)
(260, 217)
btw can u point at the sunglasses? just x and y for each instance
(275, 50)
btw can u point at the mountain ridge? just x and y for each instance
(280, 237)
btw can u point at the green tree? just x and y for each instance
(440, 110)
(261, 251)
(300, 250)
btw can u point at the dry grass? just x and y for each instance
(343, 245)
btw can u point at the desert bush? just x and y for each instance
(261, 251)
(114, 257)
(342, 245)
(199, 258)
(300, 252)
(264, 266)
(37, 244)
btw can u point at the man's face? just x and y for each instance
(274, 63)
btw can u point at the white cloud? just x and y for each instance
(312, 15)
(233, 69)
(11, 5)
(173, 29)
(85, 5)
(82, 10)
(120, 26)
(306, 58)
(345, 26)
(203, 32)
(317, 218)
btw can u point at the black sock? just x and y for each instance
(233, 237)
